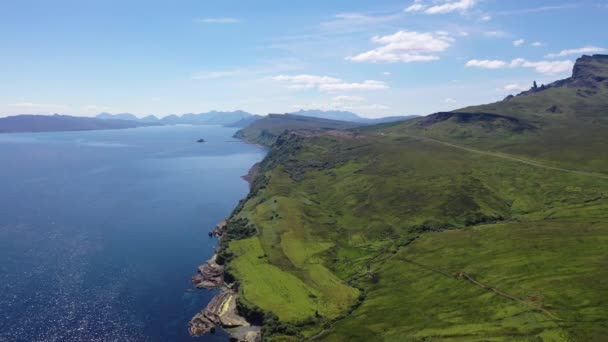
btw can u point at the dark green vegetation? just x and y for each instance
(59, 123)
(485, 224)
(266, 131)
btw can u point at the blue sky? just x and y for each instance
(372, 57)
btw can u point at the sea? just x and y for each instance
(101, 231)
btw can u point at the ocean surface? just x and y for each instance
(101, 231)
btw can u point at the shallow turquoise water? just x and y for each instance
(100, 231)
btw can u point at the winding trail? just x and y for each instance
(468, 278)
(515, 159)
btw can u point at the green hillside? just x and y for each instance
(485, 224)
(265, 131)
(564, 123)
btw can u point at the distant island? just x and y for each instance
(60, 123)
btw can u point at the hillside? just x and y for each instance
(351, 117)
(245, 122)
(562, 124)
(58, 123)
(489, 223)
(265, 131)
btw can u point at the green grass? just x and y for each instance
(268, 286)
(367, 236)
(553, 265)
(338, 224)
(573, 137)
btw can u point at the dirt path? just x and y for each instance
(515, 159)
(468, 278)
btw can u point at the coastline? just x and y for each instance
(222, 311)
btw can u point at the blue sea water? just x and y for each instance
(101, 231)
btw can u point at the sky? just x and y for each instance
(373, 57)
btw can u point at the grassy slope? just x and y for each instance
(568, 123)
(265, 131)
(373, 236)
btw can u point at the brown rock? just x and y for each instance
(221, 311)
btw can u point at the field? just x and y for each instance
(354, 223)
(485, 224)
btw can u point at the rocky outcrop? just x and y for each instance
(253, 172)
(222, 312)
(210, 275)
(591, 66)
(220, 229)
(588, 75)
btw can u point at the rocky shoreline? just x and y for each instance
(253, 172)
(222, 311)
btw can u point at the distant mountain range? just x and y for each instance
(239, 119)
(58, 123)
(350, 116)
(210, 118)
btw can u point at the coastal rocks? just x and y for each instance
(222, 312)
(220, 229)
(210, 275)
(253, 172)
(247, 334)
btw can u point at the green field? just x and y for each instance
(465, 226)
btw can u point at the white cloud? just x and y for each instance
(417, 6)
(579, 51)
(486, 64)
(486, 18)
(519, 42)
(543, 67)
(360, 18)
(365, 85)
(441, 6)
(328, 84)
(406, 46)
(537, 9)
(449, 100)
(451, 6)
(515, 87)
(536, 44)
(218, 20)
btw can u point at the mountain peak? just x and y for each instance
(591, 66)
